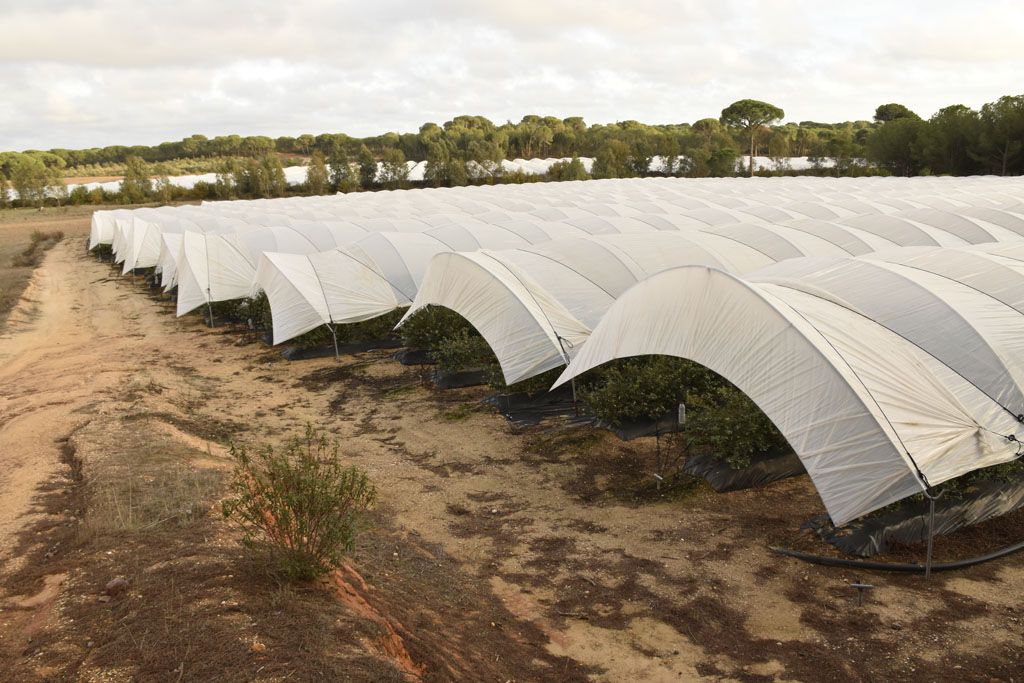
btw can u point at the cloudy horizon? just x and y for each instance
(91, 73)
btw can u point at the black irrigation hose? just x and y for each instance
(898, 566)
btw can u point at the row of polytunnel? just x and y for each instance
(878, 322)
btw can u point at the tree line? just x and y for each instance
(956, 140)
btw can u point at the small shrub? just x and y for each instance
(452, 342)
(726, 423)
(463, 351)
(531, 386)
(230, 311)
(643, 388)
(721, 420)
(966, 484)
(102, 251)
(373, 329)
(429, 327)
(299, 503)
(241, 311)
(40, 243)
(257, 310)
(381, 327)
(568, 169)
(315, 338)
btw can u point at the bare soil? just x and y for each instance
(496, 554)
(16, 228)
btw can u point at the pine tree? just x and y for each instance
(317, 180)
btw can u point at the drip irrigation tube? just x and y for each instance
(898, 566)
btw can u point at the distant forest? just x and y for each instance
(956, 140)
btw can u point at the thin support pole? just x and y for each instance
(932, 497)
(562, 341)
(334, 334)
(657, 458)
(209, 305)
(575, 403)
(931, 537)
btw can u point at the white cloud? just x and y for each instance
(96, 72)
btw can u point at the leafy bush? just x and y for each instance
(373, 329)
(963, 486)
(726, 423)
(381, 327)
(966, 484)
(643, 388)
(299, 503)
(463, 351)
(531, 386)
(453, 342)
(429, 327)
(720, 419)
(568, 169)
(102, 251)
(229, 311)
(257, 310)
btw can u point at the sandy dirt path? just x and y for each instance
(633, 590)
(53, 367)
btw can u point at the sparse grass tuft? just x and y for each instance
(122, 500)
(459, 412)
(141, 493)
(576, 440)
(40, 242)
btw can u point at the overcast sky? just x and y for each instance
(82, 73)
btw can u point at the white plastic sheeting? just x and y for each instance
(348, 285)
(167, 260)
(101, 226)
(370, 277)
(860, 374)
(220, 267)
(535, 306)
(746, 223)
(514, 298)
(143, 242)
(816, 198)
(944, 311)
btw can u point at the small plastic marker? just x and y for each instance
(861, 587)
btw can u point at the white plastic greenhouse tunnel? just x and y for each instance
(370, 277)
(797, 235)
(101, 226)
(887, 374)
(536, 307)
(596, 198)
(878, 322)
(221, 266)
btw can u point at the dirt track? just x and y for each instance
(548, 526)
(51, 372)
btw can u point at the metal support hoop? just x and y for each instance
(931, 532)
(334, 334)
(562, 341)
